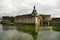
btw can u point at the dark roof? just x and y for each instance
(7, 17)
(26, 15)
(55, 18)
(45, 15)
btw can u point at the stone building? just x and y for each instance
(32, 18)
(26, 19)
(7, 19)
(45, 19)
(55, 21)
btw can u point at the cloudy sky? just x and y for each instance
(18, 7)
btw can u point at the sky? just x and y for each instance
(21, 7)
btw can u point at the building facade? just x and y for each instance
(45, 19)
(25, 19)
(55, 21)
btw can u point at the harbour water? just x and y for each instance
(46, 33)
(9, 32)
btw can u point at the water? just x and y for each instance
(46, 33)
(8, 27)
(9, 32)
(1, 28)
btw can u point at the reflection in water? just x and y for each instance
(13, 34)
(8, 27)
(1, 28)
(2, 34)
(46, 33)
(25, 36)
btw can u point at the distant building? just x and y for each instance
(7, 19)
(55, 21)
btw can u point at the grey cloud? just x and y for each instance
(25, 7)
(57, 4)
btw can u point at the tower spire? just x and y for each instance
(34, 7)
(34, 10)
